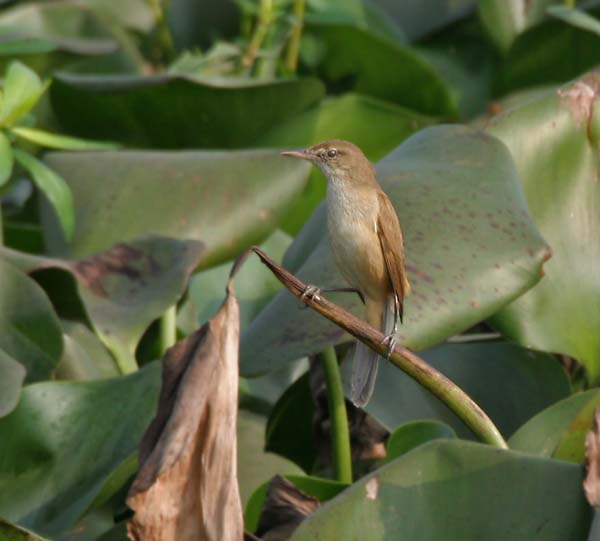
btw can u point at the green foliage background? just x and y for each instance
(139, 154)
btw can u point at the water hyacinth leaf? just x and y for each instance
(470, 246)
(177, 111)
(6, 159)
(410, 435)
(430, 493)
(53, 187)
(226, 199)
(543, 434)
(504, 20)
(376, 126)
(22, 89)
(49, 474)
(383, 68)
(559, 170)
(59, 142)
(30, 330)
(575, 17)
(16, 533)
(12, 375)
(527, 383)
(125, 288)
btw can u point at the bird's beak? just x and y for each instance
(302, 154)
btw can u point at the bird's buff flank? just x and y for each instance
(366, 241)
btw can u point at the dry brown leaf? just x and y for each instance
(591, 484)
(186, 488)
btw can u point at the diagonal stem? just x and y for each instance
(438, 384)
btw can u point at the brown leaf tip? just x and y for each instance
(591, 483)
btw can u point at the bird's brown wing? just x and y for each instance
(390, 238)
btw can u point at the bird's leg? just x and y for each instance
(391, 339)
(311, 292)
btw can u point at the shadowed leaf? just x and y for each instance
(12, 375)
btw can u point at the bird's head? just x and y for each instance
(337, 159)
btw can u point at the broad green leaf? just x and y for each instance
(470, 244)
(12, 375)
(317, 487)
(575, 17)
(255, 466)
(11, 532)
(524, 383)
(22, 89)
(550, 53)
(432, 492)
(6, 158)
(227, 200)
(177, 111)
(554, 142)
(382, 68)
(60, 142)
(30, 331)
(84, 356)
(53, 187)
(64, 439)
(376, 126)
(504, 20)
(126, 287)
(410, 435)
(16, 47)
(290, 430)
(543, 434)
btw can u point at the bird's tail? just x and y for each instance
(365, 361)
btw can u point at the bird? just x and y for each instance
(367, 246)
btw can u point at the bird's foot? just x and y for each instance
(311, 292)
(390, 341)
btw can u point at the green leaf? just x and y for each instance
(60, 142)
(575, 17)
(525, 382)
(376, 126)
(549, 429)
(317, 487)
(17, 47)
(49, 473)
(136, 193)
(30, 331)
(410, 435)
(53, 187)
(22, 90)
(177, 111)
(12, 375)
(125, 288)
(504, 20)
(562, 313)
(6, 158)
(382, 68)
(12, 532)
(432, 492)
(470, 246)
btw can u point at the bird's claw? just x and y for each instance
(311, 292)
(390, 341)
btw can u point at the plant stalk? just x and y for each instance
(165, 39)
(438, 384)
(340, 434)
(570, 3)
(168, 329)
(265, 16)
(291, 60)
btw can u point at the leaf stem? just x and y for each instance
(291, 60)
(124, 359)
(570, 3)
(168, 329)
(165, 39)
(265, 16)
(438, 384)
(340, 434)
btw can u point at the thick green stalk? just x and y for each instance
(168, 329)
(265, 16)
(123, 357)
(291, 60)
(340, 434)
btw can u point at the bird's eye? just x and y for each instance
(332, 153)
